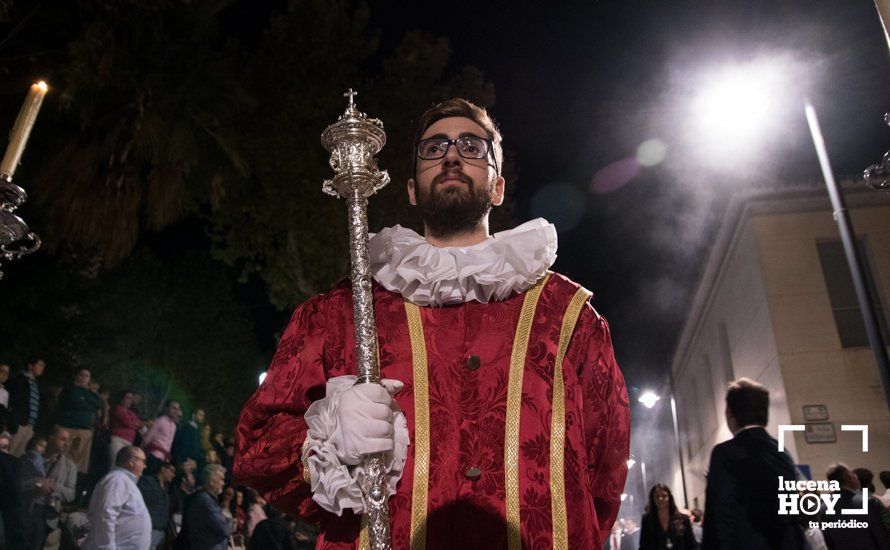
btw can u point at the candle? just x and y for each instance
(18, 138)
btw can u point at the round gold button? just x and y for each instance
(473, 362)
(473, 473)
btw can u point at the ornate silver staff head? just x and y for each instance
(353, 141)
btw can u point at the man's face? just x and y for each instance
(454, 194)
(82, 378)
(4, 373)
(37, 367)
(137, 462)
(60, 441)
(198, 416)
(175, 411)
(4, 444)
(166, 474)
(127, 400)
(215, 483)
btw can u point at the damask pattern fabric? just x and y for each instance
(469, 348)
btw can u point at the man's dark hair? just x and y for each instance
(32, 359)
(866, 478)
(124, 455)
(884, 476)
(837, 472)
(34, 442)
(167, 405)
(748, 402)
(459, 107)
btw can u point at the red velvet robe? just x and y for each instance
(564, 441)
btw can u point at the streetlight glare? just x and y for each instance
(732, 106)
(262, 377)
(648, 399)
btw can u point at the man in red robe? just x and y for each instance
(506, 420)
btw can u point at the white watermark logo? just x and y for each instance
(809, 497)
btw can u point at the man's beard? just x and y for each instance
(453, 210)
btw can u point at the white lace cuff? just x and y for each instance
(336, 486)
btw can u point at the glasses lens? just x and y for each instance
(472, 147)
(432, 148)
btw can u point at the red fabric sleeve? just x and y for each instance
(606, 414)
(271, 428)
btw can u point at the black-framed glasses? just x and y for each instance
(468, 147)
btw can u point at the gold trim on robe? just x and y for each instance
(558, 428)
(514, 405)
(420, 490)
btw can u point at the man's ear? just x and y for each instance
(497, 196)
(412, 198)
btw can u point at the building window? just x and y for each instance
(847, 316)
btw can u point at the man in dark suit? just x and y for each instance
(203, 525)
(875, 537)
(742, 502)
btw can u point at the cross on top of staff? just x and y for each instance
(350, 94)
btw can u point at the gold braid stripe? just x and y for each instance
(419, 495)
(304, 459)
(514, 404)
(364, 542)
(558, 427)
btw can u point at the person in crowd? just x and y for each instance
(866, 481)
(158, 441)
(78, 408)
(210, 457)
(117, 512)
(253, 510)
(33, 485)
(24, 405)
(154, 489)
(11, 510)
(204, 438)
(741, 498)
(204, 527)
(227, 457)
(62, 473)
(183, 485)
(123, 424)
(875, 536)
(884, 476)
(187, 442)
(274, 533)
(218, 443)
(238, 512)
(697, 525)
(664, 527)
(226, 499)
(4, 396)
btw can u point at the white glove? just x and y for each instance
(349, 422)
(365, 415)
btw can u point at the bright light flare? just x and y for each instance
(630, 463)
(262, 377)
(648, 399)
(732, 107)
(623, 497)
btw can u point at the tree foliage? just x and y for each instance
(162, 110)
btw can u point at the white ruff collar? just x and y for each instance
(509, 261)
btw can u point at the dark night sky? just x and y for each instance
(581, 84)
